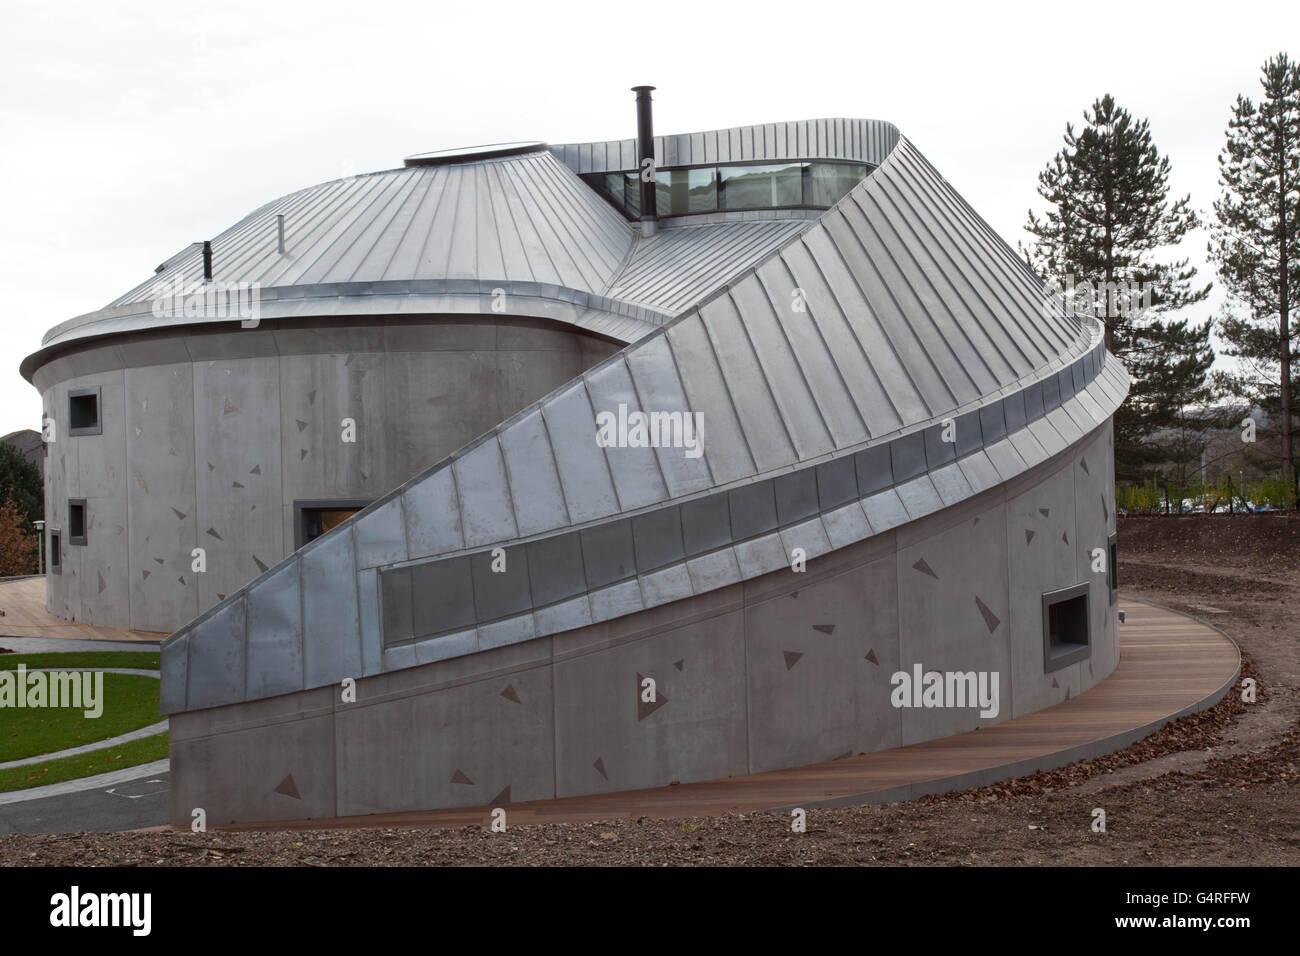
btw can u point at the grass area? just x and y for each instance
(85, 765)
(129, 702)
(137, 660)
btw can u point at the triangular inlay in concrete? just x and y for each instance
(924, 568)
(791, 658)
(990, 618)
(643, 708)
(288, 788)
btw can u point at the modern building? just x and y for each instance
(510, 488)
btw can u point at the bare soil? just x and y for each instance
(1221, 787)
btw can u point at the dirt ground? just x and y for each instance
(1221, 787)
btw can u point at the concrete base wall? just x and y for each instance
(210, 437)
(779, 671)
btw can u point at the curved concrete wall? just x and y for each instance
(210, 436)
(781, 670)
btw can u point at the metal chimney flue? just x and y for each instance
(645, 141)
(207, 261)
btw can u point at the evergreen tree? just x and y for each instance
(1255, 246)
(1108, 220)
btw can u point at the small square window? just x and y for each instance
(83, 412)
(55, 555)
(77, 521)
(1066, 629)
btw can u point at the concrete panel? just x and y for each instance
(159, 487)
(100, 480)
(408, 750)
(237, 455)
(953, 613)
(819, 668)
(318, 392)
(277, 770)
(1041, 557)
(609, 739)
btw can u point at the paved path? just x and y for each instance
(122, 800)
(23, 603)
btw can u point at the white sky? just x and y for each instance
(128, 130)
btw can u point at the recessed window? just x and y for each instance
(685, 190)
(1066, 628)
(56, 556)
(1112, 567)
(77, 521)
(314, 518)
(83, 412)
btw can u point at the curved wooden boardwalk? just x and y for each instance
(1170, 665)
(23, 603)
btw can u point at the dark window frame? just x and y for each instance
(74, 539)
(54, 551)
(304, 505)
(1058, 654)
(94, 428)
(1112, 565)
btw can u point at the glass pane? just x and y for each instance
(830, 181)
(681, 191)
(632, 194)
(761, 187)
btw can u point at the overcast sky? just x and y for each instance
(129, 130)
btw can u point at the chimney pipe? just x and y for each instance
(645, 139)
(279, 233)
(207, 261)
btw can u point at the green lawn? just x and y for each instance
(138, 660)
(85, 765)
(129, 702)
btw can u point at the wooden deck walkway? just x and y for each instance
(23, 601)
(1170, 665)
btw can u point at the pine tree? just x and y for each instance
(1255, 246)
(1109, 219)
